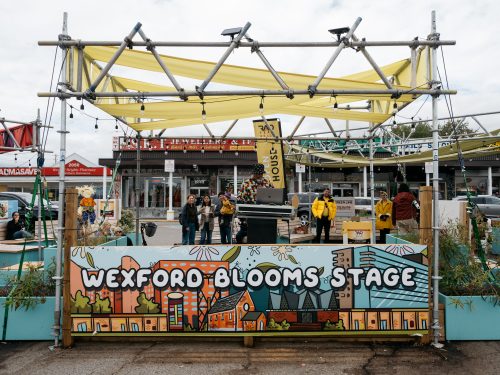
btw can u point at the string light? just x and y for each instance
(71, 111)
(203, 112)
(116, 124)
(261, 105)
(96, 126)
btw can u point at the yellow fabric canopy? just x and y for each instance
(174, 113)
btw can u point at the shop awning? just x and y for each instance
(471, 148)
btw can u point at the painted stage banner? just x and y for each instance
(270, 152)
(250, 289)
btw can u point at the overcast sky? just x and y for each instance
(25, 68)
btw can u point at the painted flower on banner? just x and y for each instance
(204, 252)
(254, 250)
(282, 252)
(400, 250)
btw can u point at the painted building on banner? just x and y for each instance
(79, 171)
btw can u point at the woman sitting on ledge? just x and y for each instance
(15, 228)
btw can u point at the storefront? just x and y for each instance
(201, 167)
(79, 171)
(205, 166)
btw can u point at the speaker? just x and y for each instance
(262, 231)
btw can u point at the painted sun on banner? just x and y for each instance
(265, 289)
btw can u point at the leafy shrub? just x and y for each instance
(462, 273)
(32, 288)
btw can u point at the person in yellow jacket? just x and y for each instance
(383, 212)
(324, 209)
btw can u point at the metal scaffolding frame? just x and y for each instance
(346, 41)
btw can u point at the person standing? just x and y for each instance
(248, 193)
(405, 207)
(15, 228)
(206, 212)
(383, 211)
(324, 210)
(189, 221)
(225, 211)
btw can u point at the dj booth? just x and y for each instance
(262, 219)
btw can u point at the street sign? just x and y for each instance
(428, 167)
(300, 168)
(169, 165)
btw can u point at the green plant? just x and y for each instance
(126, 221)
(32, 288)
(145, 305)
(462, 274)
(339, 326)
(273, 326)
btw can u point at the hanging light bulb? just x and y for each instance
(143, 108)
(150, 146)
(184, 150)
(203, 112)
(29, 163)
(220, 149)
(116, 124)
(255, 146)
(166, 152)
(236, 153)
(15, 157)
(394, 121)
(335, 105)
(202, 149)
(71, 111)
(261, 105)
(96, 126)
(82, 107)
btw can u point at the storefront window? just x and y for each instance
(154, 192)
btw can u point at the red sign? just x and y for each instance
(75, 168)
(17, 171)
(198, 144)
(22, 133)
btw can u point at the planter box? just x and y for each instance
(478, 319)
(34, 324)
(392, 239)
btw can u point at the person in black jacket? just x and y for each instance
(189, 221)
(15, 228)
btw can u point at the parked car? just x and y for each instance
(487, 204)
(363, 205)
(305, 202)
(24, 202)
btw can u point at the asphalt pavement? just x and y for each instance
(192, 356)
